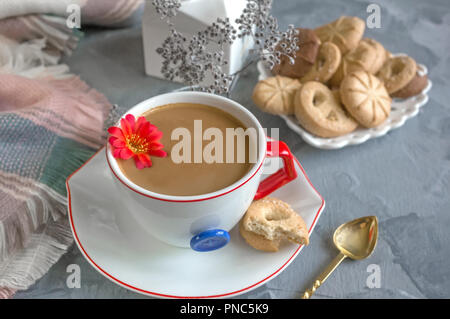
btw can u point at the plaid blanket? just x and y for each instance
(51, 122)
(30, 19)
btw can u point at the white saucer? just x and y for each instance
(402, 110)
(122, 251)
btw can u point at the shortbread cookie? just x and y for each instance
(258, 241)
(276, 94)
(337, 95)
(417, 85)
(365, 98)
(275, 220)
(360, 58)
(397, 72)
(327, 62)
(345, 32)
(305, 56)
(380, 55)
(320, 112)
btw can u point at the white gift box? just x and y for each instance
(193, 16)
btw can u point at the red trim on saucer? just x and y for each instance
(171, 296)
(181, 201)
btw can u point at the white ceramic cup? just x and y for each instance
(177, 219)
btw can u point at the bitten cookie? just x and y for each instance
(345, 32)
(320, 112)
(275, 220)
(360, 58)
(304, 57)
(276, 94)
(327, 62)
(258, 241)
(380, 55)
(365, 98)
(417, 85)
(397, 72)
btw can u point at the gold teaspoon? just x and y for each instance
(356, 239)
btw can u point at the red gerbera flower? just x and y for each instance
(137, 139)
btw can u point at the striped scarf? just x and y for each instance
(51, 122)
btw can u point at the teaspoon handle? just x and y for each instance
(324, 275)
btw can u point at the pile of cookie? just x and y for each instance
(339, 80)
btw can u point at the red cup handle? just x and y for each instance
(283, 175)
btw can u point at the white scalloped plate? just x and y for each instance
(401, 110)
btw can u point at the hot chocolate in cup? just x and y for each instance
(202, 218)
(208, 150)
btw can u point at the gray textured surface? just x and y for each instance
(403, 177)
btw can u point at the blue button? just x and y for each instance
(210, 240)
